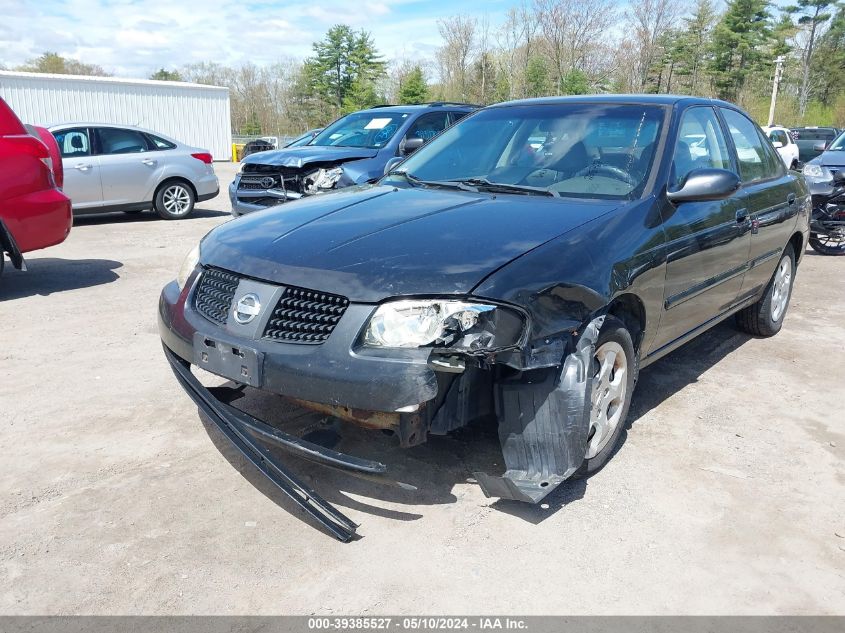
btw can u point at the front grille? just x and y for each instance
(215, 293)
(288, 177)
(255, 183)
(305, 316)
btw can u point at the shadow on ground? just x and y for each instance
(47, 275)
(141, 216)
(436, 467)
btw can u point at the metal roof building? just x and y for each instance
(195, 114)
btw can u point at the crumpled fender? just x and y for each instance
(544, 420)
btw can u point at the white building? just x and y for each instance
(192, 113)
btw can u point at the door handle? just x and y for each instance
(82, 167)
(741, 216)
(148, 161)
(790, 199)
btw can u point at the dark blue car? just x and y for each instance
(353, 150)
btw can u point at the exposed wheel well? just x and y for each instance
(174, 179)
(630, 310)
(797, 241)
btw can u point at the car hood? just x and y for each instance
(373, 242)
(830, 159)
(301, 156)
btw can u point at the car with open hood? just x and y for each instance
(352, 150)
(518, 269)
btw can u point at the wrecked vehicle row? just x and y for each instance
(518, 269)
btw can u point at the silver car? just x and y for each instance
(125, 168)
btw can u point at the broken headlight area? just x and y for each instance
(321, 179)
(444, 323)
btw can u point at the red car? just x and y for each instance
(34, 213)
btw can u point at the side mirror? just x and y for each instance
(412, 144)
(388, 167)
(706, 184)
(777, 144)
(820, 146)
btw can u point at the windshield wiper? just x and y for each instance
(414, 180)
(483, 183)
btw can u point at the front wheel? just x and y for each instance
(765, 318)
(174, 201)
(614, 371)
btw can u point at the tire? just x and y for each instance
(174, 200)
(765, 318)
(614, 337)
(827, 249)
(794, 166)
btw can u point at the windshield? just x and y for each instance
(579, 150)
(839, 144)
(361, 129)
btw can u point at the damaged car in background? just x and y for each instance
(521, 268)
(351, 151)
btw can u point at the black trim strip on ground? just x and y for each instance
(336, 523)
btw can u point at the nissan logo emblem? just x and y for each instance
(267, 182)
(247, 308)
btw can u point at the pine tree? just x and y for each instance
(737, 46)
(345, 68)
(414, 88)
(692, 48)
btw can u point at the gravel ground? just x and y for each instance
(116, 498)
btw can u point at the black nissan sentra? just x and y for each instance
(520, 267)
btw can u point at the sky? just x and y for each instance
(133, 38)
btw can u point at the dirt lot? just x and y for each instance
(728, 495)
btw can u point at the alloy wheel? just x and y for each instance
(176, 200)
(610, 385)
(781, 287)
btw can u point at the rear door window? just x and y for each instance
(115, 140)
(73, 142)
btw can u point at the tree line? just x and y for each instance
(551, 47)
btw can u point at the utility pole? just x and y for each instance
(778, 73)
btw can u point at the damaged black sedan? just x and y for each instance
(522, 266)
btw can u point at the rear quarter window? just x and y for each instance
(158, 143)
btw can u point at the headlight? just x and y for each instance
(444, 323)
(818, 172)
(191, 261)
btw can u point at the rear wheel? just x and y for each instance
(174, 200)
(614, 372)
(765, 318)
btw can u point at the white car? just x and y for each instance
(125, 168)
(783, 142)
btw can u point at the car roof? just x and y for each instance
(64, 126)
(644, 99)
(421, 107)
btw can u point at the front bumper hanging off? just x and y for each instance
(242, 430)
